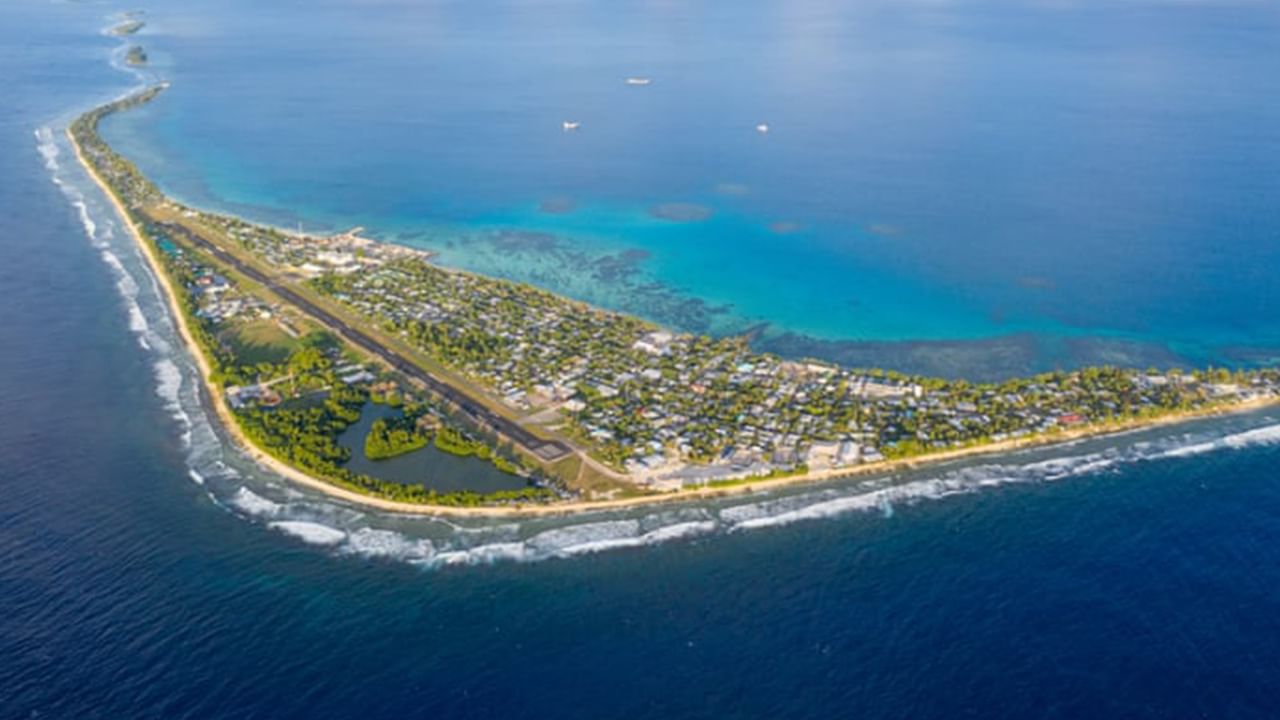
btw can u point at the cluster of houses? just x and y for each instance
(259, 394)
(751, 416)
(652, 401)
(264, 394)
(218, 301)
(354, 373)
(302, 254)
(672, 409)
(669, 409)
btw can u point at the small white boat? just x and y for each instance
(569, 125)
(638, 81)
(762, 128)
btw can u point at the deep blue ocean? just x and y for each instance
(149, 571)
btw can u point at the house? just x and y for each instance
(240, 396)
(358, 377)
(872, 455)
(848, 453)
(822, 454)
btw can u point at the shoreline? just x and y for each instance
(744, 487)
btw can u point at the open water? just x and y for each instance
(146, 570)
(977, 188)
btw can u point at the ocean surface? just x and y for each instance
(149, 571)
(976, 188)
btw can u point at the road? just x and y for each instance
(547, 450)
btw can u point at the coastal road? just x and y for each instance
(547, 450)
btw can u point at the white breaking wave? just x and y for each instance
(532, 540)
(169, 384)
(100, 232)
(1269, 435)
(310, 532)
(966, 480)
(99, 236)
(90, 227)
(624, 536)
(47, 148)
(127, 288)
(148, 321)
(564, 542)
(829, 504)
(680, 531)
(585, 535)
(98, 223)
(351, 533)
(886, 508)
(482, 555)
(371, 542)
(252, 503)
(749, 517)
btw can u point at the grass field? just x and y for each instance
(259, 341)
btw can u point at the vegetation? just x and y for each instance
(259, 341)
(302, 434)
(633, 395)
(306, 437)
(391, 438)
(639, 396)
(452, 441)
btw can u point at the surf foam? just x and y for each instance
(248, 501)
(1269, 435)
(483, 544)
(309, 532)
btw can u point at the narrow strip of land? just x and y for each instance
(645, 415)
(546, 450)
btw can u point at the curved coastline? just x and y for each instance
(746, 487)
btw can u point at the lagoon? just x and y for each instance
(979, 189)
(432, 468)
(149, 572)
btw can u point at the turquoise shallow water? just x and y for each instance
(148, 571)
(979, 188)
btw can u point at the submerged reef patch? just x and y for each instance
(681, 212)
(732, 189)
(884, 230)
(559, 205)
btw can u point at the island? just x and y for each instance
(136, 56)
(391, 438)
(295, 333)
(130, 26)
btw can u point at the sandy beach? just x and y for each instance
(273, 464)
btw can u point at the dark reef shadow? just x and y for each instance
(558, 205)
(987, 359)
(681, 212)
